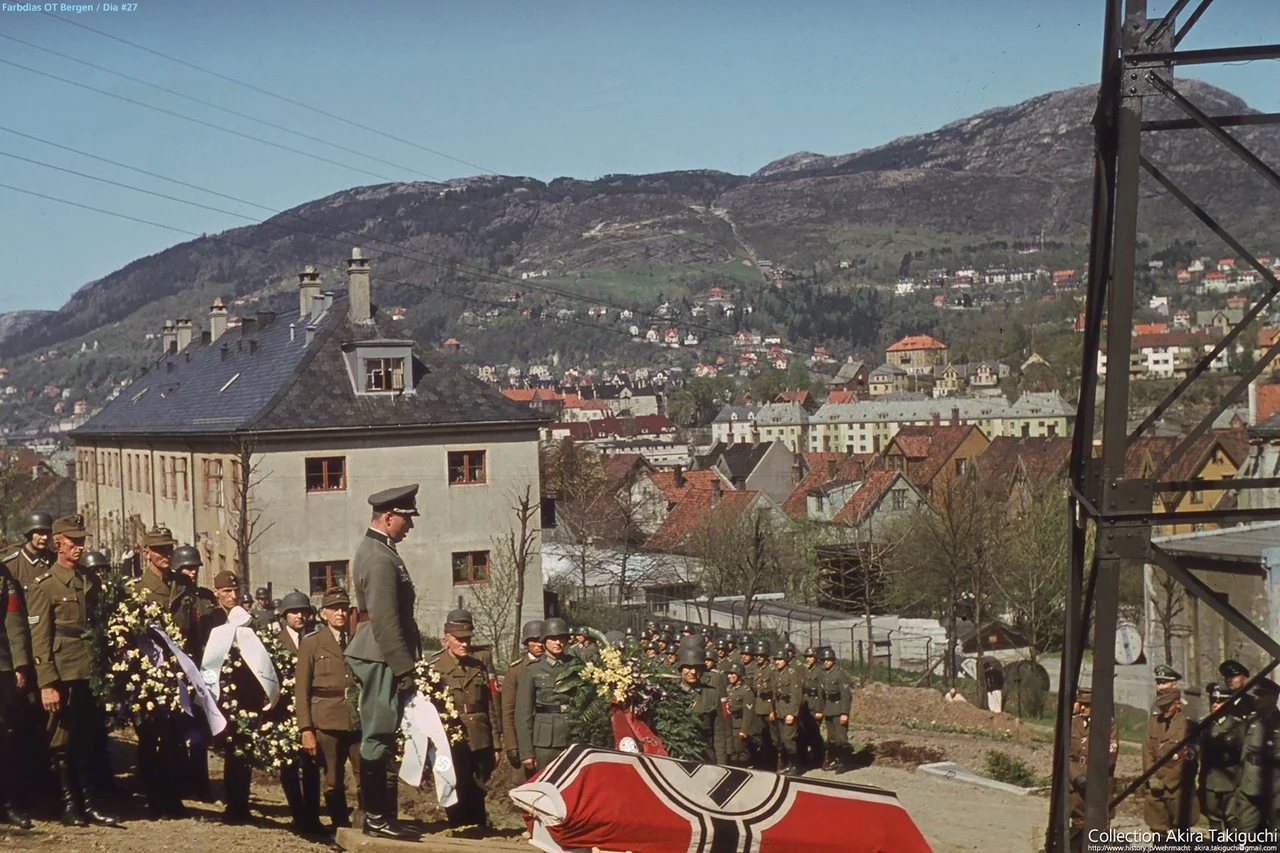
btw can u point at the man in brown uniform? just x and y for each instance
(329, 724)
(300, 780)
(468, 683)
(1080, 762)
(531, 636)
(1172, 803)
(59, 605)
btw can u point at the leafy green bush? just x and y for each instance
(1009, 769)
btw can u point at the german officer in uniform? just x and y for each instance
(1079, 757)
(328, 722)
(300, 780)
(744, 726)
(59, 604)
(36, 556)
(1172, 802)
(1221, 747)
(1256, 804)
(531, 636)
(703, 696)
(542, 714)
(809, 725)
(468, 682)
(787, 693)
(15, 669)
(834, 700)
(383, 653)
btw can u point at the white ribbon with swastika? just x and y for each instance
(427, 744)
(255, 655)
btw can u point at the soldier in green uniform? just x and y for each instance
(35, 556)
(1221, 746)
(1172, 802)
(59, 607)
(743, 739)
(15, 677)
(704, 697)
(468, 683)
(746, 657)
(713, 676)
(1234, 676)
(383, 652)
(328, 722)
(542, 714)
(1256, 804)
(722, 653)
(787, 693)
(531, 636)
(160, 741)
(761, 681)
(808, 725)
(1079, 758)
(834, 698)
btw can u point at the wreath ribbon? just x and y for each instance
(427, 743)
(254, 654)
(208, 700)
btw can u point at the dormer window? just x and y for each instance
(383, 374)
(379, 367)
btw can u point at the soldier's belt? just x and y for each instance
(68, 631)
(553, 709)
(328, 693)
(810, 692)
(785, 697)
(765, 694)
(473, 709)
(831, 697)
(737, 713)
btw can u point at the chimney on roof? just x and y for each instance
(955, 416)
(225, 351)
(831, 469)
(265, 319)
(308, 289)
(797, 469)
(169, 337)
(677, 476)
(253, 347)
(937, 418)
(358, 294)
(183, 333)
(248, 326)
(311, 334)
(715, 492)
(206, 338)
(217, 320)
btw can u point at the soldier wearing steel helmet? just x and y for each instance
(36, 555)
(812, 750)
(762, 679)
(542, 713)
(300, 779)
(703, 697)
(832, 710)
(531, 637)
(787, 693)
(743, 737)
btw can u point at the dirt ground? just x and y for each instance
(955, 817)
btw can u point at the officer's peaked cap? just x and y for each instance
(399, 499)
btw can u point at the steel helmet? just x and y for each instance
(828, 653)
(762, 649)
(789, 647)
(735, 668)
(94, 560)
(722, 645)
(260, 592)
(35, 522)
(690, 656)
(780, 654)
(185, 556)
(666, 638)
(275, 604)
(554, 627)
(295, 601)
(629, 632)
(532, 630)
(810, 652)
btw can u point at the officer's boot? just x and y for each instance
(335, 802)
(292, 786)
(72, 814)
(377, 820)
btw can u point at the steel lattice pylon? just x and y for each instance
(1140, 55)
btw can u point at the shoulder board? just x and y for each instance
(435, 656)
(516, 661)
(11, 557)
(43, 577)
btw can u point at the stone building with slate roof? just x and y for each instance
(279, 430)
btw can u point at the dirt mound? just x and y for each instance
(880, 704)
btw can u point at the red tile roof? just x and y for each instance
(693, 512)
(916, 342)
(840, 397)
(1150, 328)
(666, 482)
(847, 467)
(927, 448)
(528, 395)
(873, 487)
(801, 397)
(1042, 459)
(1268, 396)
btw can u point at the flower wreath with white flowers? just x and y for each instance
(432, 686)
(267, 739)
(139, 688)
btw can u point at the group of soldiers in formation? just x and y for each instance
(1225, 768)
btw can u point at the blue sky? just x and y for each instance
(545, 89)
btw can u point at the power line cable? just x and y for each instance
(437, 260)
(319, 111)
(212, 105)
